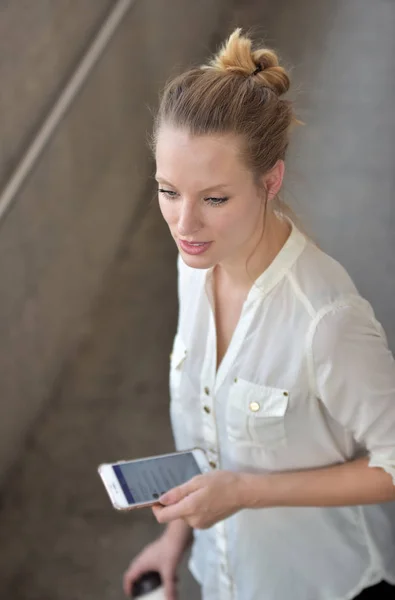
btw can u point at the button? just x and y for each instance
(235, 379)
(207, 409)
(206, 391)
(286, 394)
(212, 464)
(254, 406)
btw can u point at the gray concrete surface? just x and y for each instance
(40, 43)
(61, 538)
(63, 230)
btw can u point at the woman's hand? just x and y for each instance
(163, 556)
(202, 501)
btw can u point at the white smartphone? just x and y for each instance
(139, 483)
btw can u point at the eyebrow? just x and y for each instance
(208, 189)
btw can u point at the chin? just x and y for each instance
(197, 262)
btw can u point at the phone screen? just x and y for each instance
(146, 480)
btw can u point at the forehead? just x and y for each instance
(198, 160)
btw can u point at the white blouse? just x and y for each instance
(307, 381)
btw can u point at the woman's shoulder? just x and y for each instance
(321, 280)
(333, 303)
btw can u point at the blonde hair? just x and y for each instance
(239, 92)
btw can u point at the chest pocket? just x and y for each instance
(256, 414)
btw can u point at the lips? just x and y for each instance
(194, 247)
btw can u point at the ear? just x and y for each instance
(273, 180)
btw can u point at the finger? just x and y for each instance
(180, 492)
(170, 586)
(132, 574)
(128, 580)
(127, 584)
(166, 514)
(174, 495)
(157, 510)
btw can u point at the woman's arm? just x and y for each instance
(207, 499)
(350, 483)
(180, 533)
(352, 374)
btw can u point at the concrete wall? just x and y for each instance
(40, 42)
(65, 225)
(340, 168)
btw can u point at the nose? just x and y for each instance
(189, 220)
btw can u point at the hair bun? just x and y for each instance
(238, 56)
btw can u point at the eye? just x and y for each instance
(167, 193)
(216, 201)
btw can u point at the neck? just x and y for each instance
(240, 272)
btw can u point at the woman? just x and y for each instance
(279, 369)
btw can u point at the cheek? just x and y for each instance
(168, 211)
(238, 224)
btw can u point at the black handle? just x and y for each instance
(148, 582)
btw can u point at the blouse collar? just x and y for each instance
(277, 269)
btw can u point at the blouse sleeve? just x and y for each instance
(354, 375)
